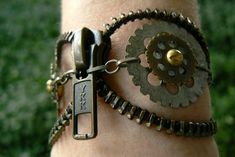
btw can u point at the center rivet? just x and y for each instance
(174, 57)
(49, 86)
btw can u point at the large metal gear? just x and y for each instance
(181, 82)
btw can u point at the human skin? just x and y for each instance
(117, 135)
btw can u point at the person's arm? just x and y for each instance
(117, 135)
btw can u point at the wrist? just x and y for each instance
(107, 117)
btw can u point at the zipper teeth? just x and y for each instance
(142, 116)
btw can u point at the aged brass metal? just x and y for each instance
(173, 55)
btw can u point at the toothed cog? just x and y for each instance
(173, 55)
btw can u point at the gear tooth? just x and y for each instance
(130, 72)
(143, 91)
(138, 31)
(132, 39)
(199, 93)
(151, 98)
(180, 103)
(164, 103)
(185, 104)
(157, 100)
(193, 99)
(135, 81)
(167, 102)
(128, 48)
(174, 105)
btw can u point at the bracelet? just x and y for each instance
(90, 48)
(151, 120)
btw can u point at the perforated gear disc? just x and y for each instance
(170, 58)
(176, 88)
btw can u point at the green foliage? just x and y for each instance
(28, 31)
(218, 23)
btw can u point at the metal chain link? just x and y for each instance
(107, 67)
(58, 81)
(65, 77)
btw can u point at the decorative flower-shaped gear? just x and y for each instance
(178, 66)
(170, 58)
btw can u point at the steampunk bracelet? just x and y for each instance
(175, 53)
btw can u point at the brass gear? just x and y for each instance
(180, 91)
(170, 58)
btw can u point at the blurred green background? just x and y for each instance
(28, 31)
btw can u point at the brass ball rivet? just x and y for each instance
(49, 86)
(174, 57)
